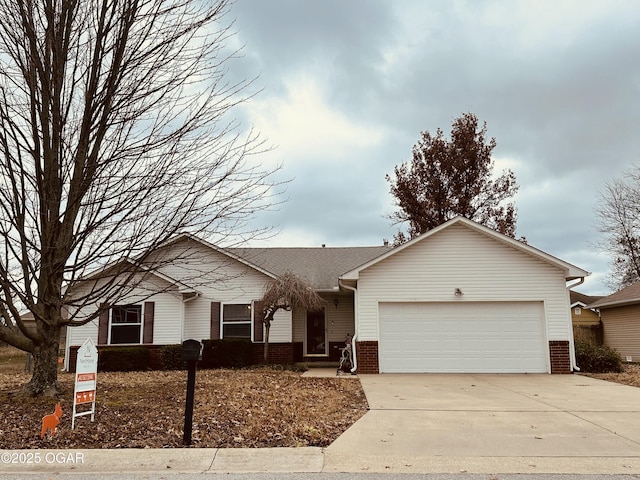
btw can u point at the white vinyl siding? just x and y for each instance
(219, 278)
(340, 318)
(167, 328)
(621, 327)
(457, 257)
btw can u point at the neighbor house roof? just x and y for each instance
(571, 271)
(321, 266)
(578, 298)
(627, 296)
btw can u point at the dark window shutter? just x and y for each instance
(147, 332)
(214, 331)
(258, 333)
(103, 326)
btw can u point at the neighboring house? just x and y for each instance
(620, 316)
(30, 323)
(581, 314)
(460, 298)
(586, 321)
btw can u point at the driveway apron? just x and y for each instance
(492, 424)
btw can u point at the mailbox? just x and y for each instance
(191, 350)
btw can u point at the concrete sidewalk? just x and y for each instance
(423, 424)
(169, 460)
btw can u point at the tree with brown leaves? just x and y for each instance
(448, 178)
(114, 135)
(284, 292)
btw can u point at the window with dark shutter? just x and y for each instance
(126, 324)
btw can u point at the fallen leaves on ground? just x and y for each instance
(630, 375)
(245, 408)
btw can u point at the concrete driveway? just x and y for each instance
(492, 424)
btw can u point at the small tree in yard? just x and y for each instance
(114, 136)
(283, 293)
(447, 178)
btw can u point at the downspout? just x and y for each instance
(355, 321)
(572, 349)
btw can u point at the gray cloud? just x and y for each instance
(558, 84)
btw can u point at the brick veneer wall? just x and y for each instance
(334, 353)
(560, 356)
(367, 357)
(279, 353)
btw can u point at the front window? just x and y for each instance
(236, 320)
(126, 324)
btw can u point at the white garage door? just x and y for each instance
(474, 337)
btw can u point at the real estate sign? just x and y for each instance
(85, 385)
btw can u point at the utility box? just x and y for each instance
(191, 351)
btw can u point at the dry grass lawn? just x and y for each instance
(246, 408)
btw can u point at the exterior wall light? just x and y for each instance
(458, 292)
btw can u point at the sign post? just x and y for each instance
(85, 386)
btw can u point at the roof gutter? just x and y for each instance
(355, 320)
(572, 350)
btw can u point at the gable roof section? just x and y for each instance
(227, 252)
(182, 287)
(627, 296)
(321, 266)
(571, 271)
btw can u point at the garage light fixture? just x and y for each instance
(458, 292)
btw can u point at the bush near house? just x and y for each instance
(123, 359)
(597, 359)
(227, 353)
(172, 357)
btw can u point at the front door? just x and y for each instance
(316, 333)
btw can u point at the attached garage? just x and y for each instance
(459, 337)
(463, 298)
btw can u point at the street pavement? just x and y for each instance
(417, 424)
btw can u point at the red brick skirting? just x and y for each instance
(367, 357)
(560, 356)
(279, 353)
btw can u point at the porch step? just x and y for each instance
(320, 364)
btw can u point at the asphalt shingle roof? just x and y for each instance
(582, 298)
(626, 296)
(320, 266)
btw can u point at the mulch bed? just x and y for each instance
(630, 376)
(246, 408)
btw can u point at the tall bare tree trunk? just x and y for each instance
(45, 363)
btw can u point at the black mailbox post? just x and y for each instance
(192, 354)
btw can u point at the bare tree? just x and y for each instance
(618, 218)
(283, 293)
(115, 135)
(453, 177)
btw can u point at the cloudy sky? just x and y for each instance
(347, 87)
